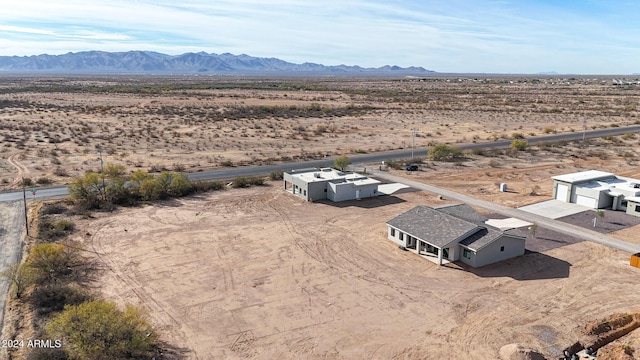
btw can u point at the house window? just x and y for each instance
(305, 192)
(501, 248)
(637, 208)
(401, 236)
(466, 253)
(325, 190)
(393, 232)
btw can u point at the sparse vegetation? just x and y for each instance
(342, 162)
(276, 175)
(444, 152)
(99, 330)
(519, 144)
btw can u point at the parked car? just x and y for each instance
(412, 167)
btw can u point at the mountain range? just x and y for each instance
(202, 63)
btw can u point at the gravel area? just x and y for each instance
(612, 221)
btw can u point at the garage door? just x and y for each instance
(586, 201)
(561, 192)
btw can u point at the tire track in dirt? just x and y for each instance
(170, 319)
(22, 170)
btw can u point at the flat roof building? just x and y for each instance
(327, 183)
(598, 190)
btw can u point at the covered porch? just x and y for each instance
(435, 254)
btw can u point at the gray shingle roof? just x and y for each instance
(433, 226)
(481, 238)
(444, 224)
(464, 212)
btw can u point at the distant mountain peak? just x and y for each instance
(201, 63)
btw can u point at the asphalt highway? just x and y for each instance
(231, 173)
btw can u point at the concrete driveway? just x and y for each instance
(554, 209)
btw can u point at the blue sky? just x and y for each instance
(487, 36)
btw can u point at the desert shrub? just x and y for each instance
(119, 194)
(204, 186)
(98, 330)
(226, 163)
(44, 353)
(114, 171)
(341, 162)
(48, 230)
(256, 180)
(51, 261)
(535, 190)
(549, 130)
(60, 172)
(276, 175)
(44, 181)
(180, 185)
(240, 182)
(517, 135)
(628, 136)
(88, 189)
(178, 167)
(598, 153)
(150, 190)
(27, 181)
(54, 297)
(519, 144)
(395, 165)
(443, 152)
(494, 163)
(53, 208)
(20, 276)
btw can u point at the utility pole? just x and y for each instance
(413, 141)
(24, 197)
(102, 172)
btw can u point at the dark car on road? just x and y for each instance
(412, 167)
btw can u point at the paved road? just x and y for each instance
(11, 229)
(231, 173)
(558, 226)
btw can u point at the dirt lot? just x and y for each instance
(260, 274)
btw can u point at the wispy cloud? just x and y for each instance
(455, 35)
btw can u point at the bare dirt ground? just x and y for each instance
(260, 274)
(58, 125)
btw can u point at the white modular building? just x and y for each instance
(327, 183)
(598, 190)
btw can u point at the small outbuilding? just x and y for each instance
(597, 190)
(327, 183)
(455, 233)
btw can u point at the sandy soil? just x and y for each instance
(58, 125)
(260, 274)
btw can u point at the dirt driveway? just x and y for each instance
(260, 274)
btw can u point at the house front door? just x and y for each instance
(445, 253)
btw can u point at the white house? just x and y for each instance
(455, 232)
(598, 190)
(327, 183)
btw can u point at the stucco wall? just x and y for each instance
(631, 208)
(491, 253)
(347, 191)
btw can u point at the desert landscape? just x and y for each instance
(258, 273)
(56, 128)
